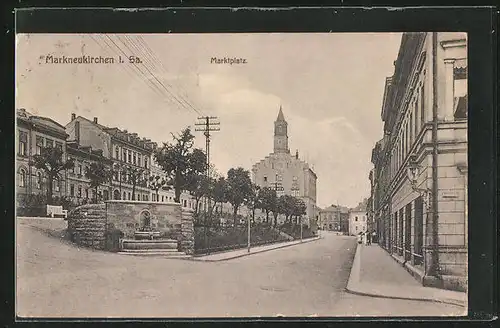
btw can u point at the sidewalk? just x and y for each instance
(229, 255)
(375, 273)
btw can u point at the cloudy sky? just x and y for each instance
(330, 87)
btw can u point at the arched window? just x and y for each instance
(22, 177)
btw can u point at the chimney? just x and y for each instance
(77, 132)
(73, 116)
(95, 120)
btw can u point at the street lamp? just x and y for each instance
(412, 172)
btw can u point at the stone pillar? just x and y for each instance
(449, 89)
(187, 231)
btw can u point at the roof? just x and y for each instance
(281, 117)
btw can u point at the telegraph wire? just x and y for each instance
(134, 73)
(154, 76)
(155, 59)
(123, 52)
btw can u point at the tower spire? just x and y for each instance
(281, 117)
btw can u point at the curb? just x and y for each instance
(354, 278)
(257, 252)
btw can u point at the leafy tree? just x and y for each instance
(286, 206)
(98, 174)
(51, 162)
(253, 201)
(239, 187)
(218, 192)
(299, 208)
(181, 161)
(156, 183)
(267, 201)
(199, 189)
(135, 175)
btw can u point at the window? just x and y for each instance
(129, 157)
(124, 156)
(39, 180)
(265, 179)
(416, 124)
(59, 146)
(39, 145)
(49, 143)
(22, 178)
(356, 219)
(162, 198)
(135, 158)
(124, 195)
(23, 141)
(79, 192)
(419, 231)
(117, 152)
(145, 162)
(129, 195)
(86, 193)
(79, 169)
(184, 203)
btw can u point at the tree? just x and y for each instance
(218, 192)
(51, 162)
(181, 162)
(199, 189)
(286, 206)
(238, 188)
(98, 174)
(135, 176)
(299, 208)
(253, 201)
(267, 200)
(156, 183)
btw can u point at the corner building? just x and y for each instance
(422, 221)
(287, 173)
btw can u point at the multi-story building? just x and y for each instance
(130, 154)
(34, 133)
(358, 222)
(287, 173)
(420, 175)
(333, 218)
(79, 190)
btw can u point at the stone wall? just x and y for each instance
(187, 231)
(126, 216)
(87, 225)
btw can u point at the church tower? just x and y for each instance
(281, 134)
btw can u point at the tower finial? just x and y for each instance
(281, 117)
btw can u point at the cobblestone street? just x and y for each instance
(56, 279)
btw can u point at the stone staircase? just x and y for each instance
(165, 248)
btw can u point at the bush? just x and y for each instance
(219, 239)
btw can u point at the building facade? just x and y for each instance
(79, 189)
(333, 218)
(33, 134)
(419, 180)
(358, 222)
(131, 155)
(287, 173)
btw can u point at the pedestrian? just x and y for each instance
(374, 234)
(365, 239)
(368, 238)
(360, 238)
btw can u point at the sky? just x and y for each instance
(330, 86)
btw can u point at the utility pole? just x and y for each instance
(207, 125)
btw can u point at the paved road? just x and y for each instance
(57, 279)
